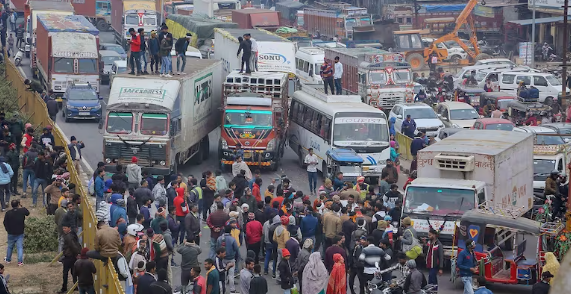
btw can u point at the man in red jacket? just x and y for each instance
(254, 235)
(135, 57)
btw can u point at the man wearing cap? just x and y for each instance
(467, 265)
(133, 172)
(84, 269)
(180, 47)
(55, 190)
(75, 151)
(543, 286)
(107, 242)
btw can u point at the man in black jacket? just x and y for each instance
(43, 170)
(71, 249)
(14, 225)
(161, 286)
(180, 47)
(246, 49)
(53, 109)
(145, 281)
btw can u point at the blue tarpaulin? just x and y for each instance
(443, 8)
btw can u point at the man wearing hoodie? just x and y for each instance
(281, 236)
(133, 172)
(254, 231)
(119, 212)
(221, 185)
(154, 52)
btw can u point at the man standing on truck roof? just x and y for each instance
(246, 49)
(143, 54)
(180, 47)
(154, 47)
(337, 75)
(327, 76)
(164, 34)
(254, 58)
(135, 57)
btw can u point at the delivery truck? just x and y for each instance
(67, 50)
(134, 14)
(164, 122)
(470, 169)
(338, 20)
(275, 54)
(381, 78)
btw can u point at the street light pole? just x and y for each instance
(533, 36)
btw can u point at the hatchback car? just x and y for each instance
(457, 114)
(426, 119)
(81, 101)
(498, 124)
(107, 57)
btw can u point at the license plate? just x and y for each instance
(365, 168)
(83, 113)
(247, 155)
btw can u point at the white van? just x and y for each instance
(548, 85)
(308, 61)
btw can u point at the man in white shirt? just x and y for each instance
(254, 56)
(337, 74)
(311, 161)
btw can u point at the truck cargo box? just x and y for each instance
(256, 18)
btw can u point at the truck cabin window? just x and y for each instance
(154, 124)
(132, 19)
(549, 140)
(438, 201)
(246, 119)
(84, 65)
(107, 60)
(87, 66)
(119, 123)
(378, 77)
(149, 21)
(401, 76)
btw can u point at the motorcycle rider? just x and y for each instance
(421, 96)
(560, 199)
(551, 186)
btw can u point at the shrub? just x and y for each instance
(40, 234)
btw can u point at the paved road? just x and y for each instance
(89, 133)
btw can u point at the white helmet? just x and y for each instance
(134, 228)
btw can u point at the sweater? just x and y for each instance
(253, 232)
(189, 253)
(258, 285)
(308, 226)
(84, 270)
(133, 172)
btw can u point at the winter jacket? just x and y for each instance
(107, 241)
(99, 187)
(189, 254)
(43, 169)
(119, 212)
(258, 285)
(192, 224)
(75, 155)
(484, 290)
(250, 200)
(465, 262)
(286, 278)
(221, 184)
(165, 49)
(437, 255)
(156, 224)
(281, 236)
(13, 159)
(331, 225)
(133, 172)
(52, 107)
(292, 245)
(14, 220)
(71, 246)
(414, 282)
(154, 46)
(181, 45)
(5, 177)
(232, 249)
(253, 232)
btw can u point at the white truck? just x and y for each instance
(164, 122)
(467, 170)
(275, 54)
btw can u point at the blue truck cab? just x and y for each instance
(81, 101)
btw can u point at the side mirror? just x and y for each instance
(399, 116)
(376, 264)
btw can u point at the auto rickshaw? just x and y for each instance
(501, 242)
(468, 94)
(518, 111)
(346, 161)
(499, 99)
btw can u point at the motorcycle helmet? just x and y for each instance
(133, 229)
(554, 172)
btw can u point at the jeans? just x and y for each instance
(212, 253)
(181, 230)
(337, 86)
(68, 262)
(86, 290)
(256, 247)
(230, 274)
(155, 60)
(28, 173)
(143, 60)
(98, 202)
(467, 281)
(178, 58)
(135, 59)
(312, 177)
(200, 206)
(363, 279)
(5, 195)
(19, 240)
(287, 291)
(328, 81)
(37, 183)
(433, 276)
(165, 64)
(269, 251)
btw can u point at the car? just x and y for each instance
(548, 85)
(107, 58)
(191, 52)
(81, 101)
(496, 61)
(115, 47)
(466, 70)
(426, 119)
(454, 53)
(457, 114)
(119, 66)
(447, 132)
(499, 124)
(561, 128)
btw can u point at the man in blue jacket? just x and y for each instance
(119, 212)
(408, 127)
(232, 254)
(308, 225)
(99, 187)
(467, 265)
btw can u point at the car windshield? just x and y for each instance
(549, 140)
(82, 95)
(402, 76)
(117, 49)
(543, 166)
(108, 60)
(378, 77)
(244, 119)
(121, 69)
(553, 80)
(463, 114)
(420, 113)
(500, 127)
(154, 124)
(119, 123)
(480, 76)
(359, 130)
(438, 201)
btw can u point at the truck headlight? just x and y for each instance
(163, 163)
(107, 160)
(271, 145)
(223, 144)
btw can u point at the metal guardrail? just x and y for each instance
(31, 104)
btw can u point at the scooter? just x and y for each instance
(19, 56)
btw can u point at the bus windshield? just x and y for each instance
(154, 124)
(438, 201)
(248, 119)
(120, 123)
(360, 130)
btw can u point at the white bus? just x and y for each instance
(308, 61)
(323, 122)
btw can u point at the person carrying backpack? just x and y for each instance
(361, 231)
(232, 254)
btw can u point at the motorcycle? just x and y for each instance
(19, 56)
(378, 286)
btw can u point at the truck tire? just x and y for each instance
(102, 25)
(416, 61)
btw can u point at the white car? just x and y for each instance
(426, 119)
(191, 52)
(457, 114)
(496, 61)
(454, 53)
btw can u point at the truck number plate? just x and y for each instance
(83, 113)
(247, 154)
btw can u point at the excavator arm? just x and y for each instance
(465, 18)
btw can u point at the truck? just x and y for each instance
(381, 78)
(256, 18)
(255, 115)
(164, 122)
(338, 20)
(470, 169)
(32, 10)
(133, 14)
(67, 50)
(102, 18)
(275, 54)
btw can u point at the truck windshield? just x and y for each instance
(63, 65)
(84, 65)
(402, 76)
(87, 66)
(543, 166)
(359, 130)
(378, 77)
(549, 140)
(244, 119)
(438, 201)
(154, 124)
(120, 123)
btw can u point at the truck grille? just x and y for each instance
(147, 153)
